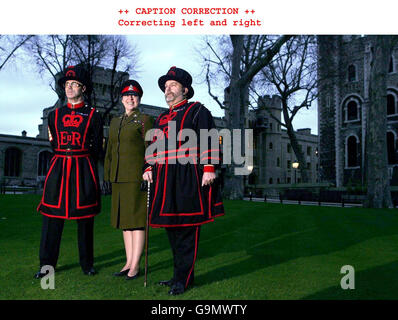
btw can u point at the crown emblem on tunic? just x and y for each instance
(72, 120)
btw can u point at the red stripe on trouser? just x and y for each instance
(194, 258)
(68, 169)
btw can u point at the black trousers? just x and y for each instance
(51, 240)
(184, 243)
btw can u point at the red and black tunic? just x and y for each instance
(71, 189)
(177, 196)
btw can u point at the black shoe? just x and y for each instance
(165, 283)
(121, 273)
(133, 277)
(39, 274)
(90, 272)
(177, 288)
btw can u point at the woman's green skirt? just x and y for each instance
(128, 206)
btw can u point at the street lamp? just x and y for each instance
(295, 166)
(250, 169)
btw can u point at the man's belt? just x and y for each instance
(71, 153)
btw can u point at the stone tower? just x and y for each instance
(269, 149)
(343, 72)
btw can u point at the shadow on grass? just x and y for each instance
(110, 259)
(249, 239)
(118, 257)
(261, 235)
(376, 283)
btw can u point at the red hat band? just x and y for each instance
(131, 88)
(70, 73)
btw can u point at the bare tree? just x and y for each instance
(53, 53)
(90, 50)
(292, 74)
(240, 62)
(9, 46)
(378, 184)
(123, 57)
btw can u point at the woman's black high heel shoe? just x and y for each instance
(121, 273)
(133, 277)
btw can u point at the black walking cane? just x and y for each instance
(146, 233)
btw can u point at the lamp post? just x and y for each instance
(250, 168)
(295, 166)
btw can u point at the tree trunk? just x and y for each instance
(294, 143)
(238, 104)
(233, 187)
(378, 191)
(299, 154)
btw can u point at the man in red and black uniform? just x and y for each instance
(184, 195)
(71, 189)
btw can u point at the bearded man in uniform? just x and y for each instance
(185, 195)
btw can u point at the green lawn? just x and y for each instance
(257, 251)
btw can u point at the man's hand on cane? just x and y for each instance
(147, 176)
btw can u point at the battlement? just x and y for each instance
(304, 131)
(269, 101)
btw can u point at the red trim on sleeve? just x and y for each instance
(208, 168)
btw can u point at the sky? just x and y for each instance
(24, 94)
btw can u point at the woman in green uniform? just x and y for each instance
(123, 168)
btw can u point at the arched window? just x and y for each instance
(270, 181)
(43, 163)
(351, 73)
(391, 148)
(391, 104)
(391, 65)
(351, 110)
(252, 178)
(12, 163)
(271, 145)
(352, 152)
